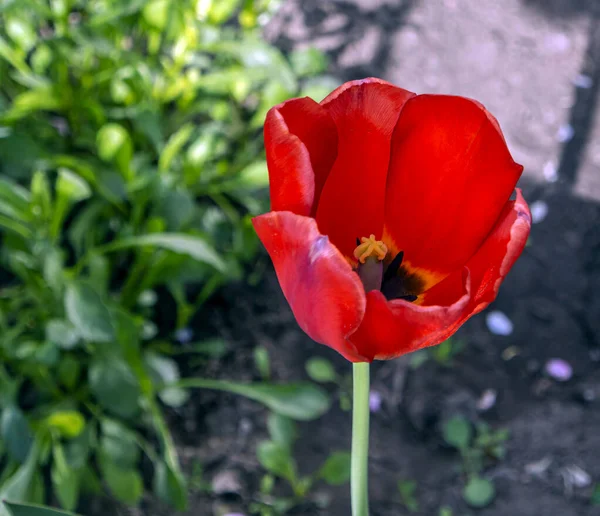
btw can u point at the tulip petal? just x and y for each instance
(301, 147)
(393, 328)
(326, 296)
(352, 202)
(450, 176)
(492, 262)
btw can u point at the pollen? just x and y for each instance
(370, 247)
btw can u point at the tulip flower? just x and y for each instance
(391, 219)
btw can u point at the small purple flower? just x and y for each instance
(559, 369)
(375, 401)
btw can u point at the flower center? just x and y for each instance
(368, 247)
(377, 273)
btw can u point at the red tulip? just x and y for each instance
(391, 222)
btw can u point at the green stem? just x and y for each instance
(360, 440)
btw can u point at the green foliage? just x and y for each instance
(262, 362)
(131, 164)
(407, 490)
(443, 354)
(301, 401)
(458, 432)
(479, 492)
(320, 370)
(18, 509)
(477, 448)
(276, 457)
(595, 499)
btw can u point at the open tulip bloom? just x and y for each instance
(391, 224)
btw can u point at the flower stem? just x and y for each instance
(360, 440)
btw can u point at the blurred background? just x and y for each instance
(149, 364)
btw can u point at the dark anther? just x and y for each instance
(393, 267)
(409, 298)
(357, 241)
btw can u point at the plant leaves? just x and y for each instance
(170, 486)
(301, 401)
(62, 333)
(126, 484)
(276, 458)
(115, 386)
(336, 470)
(479, 492)
(15, 433)
(282, 429)
(19, 509)
(68, 423)
(320, 370)
(193, 246)
(86, 311)
(458, 432)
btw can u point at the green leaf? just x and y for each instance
(14, 200)
(41, 196)
(15, 433)
(86, 311)
(170, 486)
(595, 499)
(69, 369)
(407, 489)
(65, 480)
(17, 487)
(336, 470)
(320, 370)
(174, 146)
(458, 432)
(68, 423)
(479, 492)
(119, 444)
(114, 145)
(176, 207)
(262, 362)
(165, 370)
(193, 246)
(219, 11)
(125, 484)
(20, 32)
(53, 270)
(308, 62)
(301, 401)
(282, 429)
(62, 333)
(72, 187)
(18, 509)
(78, 449)
(254, 176)
(276, 459)
(115, 386)
(156, 13)
(43, 98)
(213, 348)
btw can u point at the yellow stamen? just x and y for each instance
(370, 247)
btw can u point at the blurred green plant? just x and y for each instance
(321, 370)
(276, 457)
(408, 495)
(130, 166)
(442, 354)
(478, 446)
